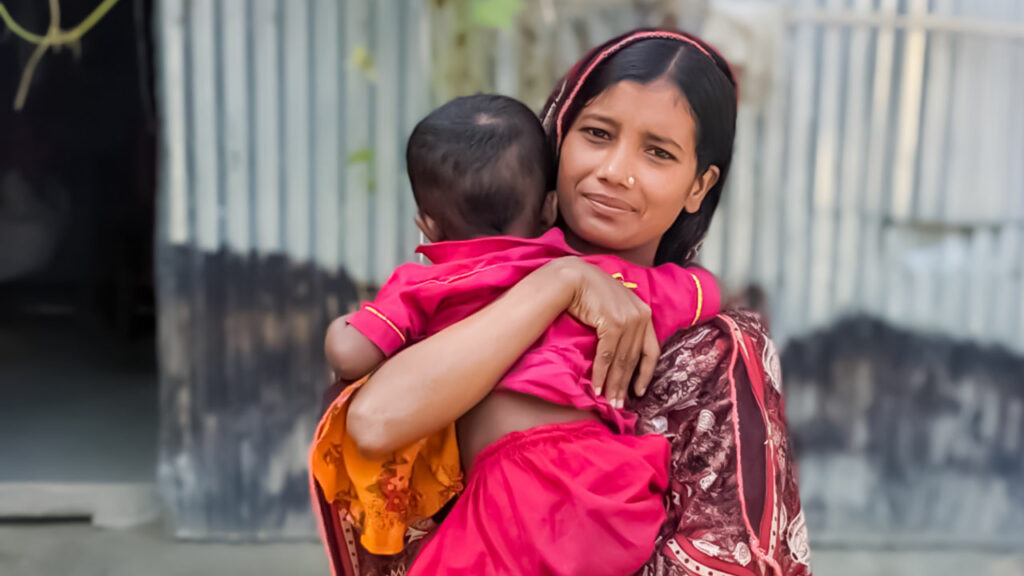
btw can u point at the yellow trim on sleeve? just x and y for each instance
(381, 315)
(618, 276)
(700, 299)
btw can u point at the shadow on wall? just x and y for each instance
(907, 437)
(242, 375)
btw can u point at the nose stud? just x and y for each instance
(630, 181)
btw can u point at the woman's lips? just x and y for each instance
(608, 203)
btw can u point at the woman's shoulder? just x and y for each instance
(720, 333)
(706, 356)
(750, 323)
(749, 332)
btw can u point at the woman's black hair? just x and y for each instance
(708, 84)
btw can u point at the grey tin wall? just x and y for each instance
(872, 177)
(285, 127)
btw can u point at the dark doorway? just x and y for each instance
(78, 419)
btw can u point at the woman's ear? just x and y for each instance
(701, 186)
(430, 228)
(549, 211)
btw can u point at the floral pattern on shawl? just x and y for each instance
(691, 402)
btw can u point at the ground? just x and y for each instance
(78, 549)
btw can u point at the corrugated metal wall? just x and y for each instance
(884, 174)
(874, 176)
(286, 124)
(879, 170)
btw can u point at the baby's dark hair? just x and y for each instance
(477, 163)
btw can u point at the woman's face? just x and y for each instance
(628, 167)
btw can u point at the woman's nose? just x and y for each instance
(616, 166)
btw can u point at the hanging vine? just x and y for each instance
(55, 37)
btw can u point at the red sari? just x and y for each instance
(733, 504)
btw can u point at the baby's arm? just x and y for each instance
(359, 342)
(350, 354)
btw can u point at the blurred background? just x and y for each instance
(190, 190)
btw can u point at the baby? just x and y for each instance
(481, 174)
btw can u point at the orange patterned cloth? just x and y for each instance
(382, 498)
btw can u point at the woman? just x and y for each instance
(642, 128)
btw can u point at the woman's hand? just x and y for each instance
(626, 343)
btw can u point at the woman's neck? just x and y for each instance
(641, 255)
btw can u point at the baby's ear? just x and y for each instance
(430, 227)
(549, 211)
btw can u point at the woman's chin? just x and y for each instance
(604, 240)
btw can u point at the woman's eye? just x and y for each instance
(662, 154)
(597, 133)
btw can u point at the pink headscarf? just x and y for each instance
(562, 98)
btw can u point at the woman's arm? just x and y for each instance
(432, 383)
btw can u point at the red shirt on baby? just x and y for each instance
(466, 275)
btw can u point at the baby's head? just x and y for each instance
(479, 166)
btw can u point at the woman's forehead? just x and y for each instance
(659, 91)
(658, 104)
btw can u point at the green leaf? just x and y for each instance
(495, 13)
(362, 60)
(361, 156)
